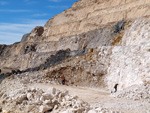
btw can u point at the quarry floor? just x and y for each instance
(100, 98)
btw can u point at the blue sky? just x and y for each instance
(18, 17)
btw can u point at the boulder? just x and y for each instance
(44, 109)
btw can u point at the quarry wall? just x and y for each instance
(118, 31)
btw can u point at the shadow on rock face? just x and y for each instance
(60, 56)
(39, 30)
(2, 49)
(29, 48)
(5, 75)
(118, 27)
(33, 35)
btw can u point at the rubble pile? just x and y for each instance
(39, 101)
(136, 92)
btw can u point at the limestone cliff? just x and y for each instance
(117, 30)
(96, 44)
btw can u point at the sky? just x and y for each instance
(18, 17)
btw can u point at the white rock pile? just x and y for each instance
(136, 92)
(34, 100)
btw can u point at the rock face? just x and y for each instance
(103, 24)
(130, 60)
(88, 15)
(96, 43)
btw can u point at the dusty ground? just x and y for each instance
(101, 98)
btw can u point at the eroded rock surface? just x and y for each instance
(96, 43)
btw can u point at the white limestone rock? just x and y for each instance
(51, 91)
(43, 108)
(47, 96)
(30, 96)
(47, 102)
(20, 98)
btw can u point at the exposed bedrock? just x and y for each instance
(118, 37)
(96, 44)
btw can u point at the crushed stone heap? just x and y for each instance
(135, 92)
(24, 99)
